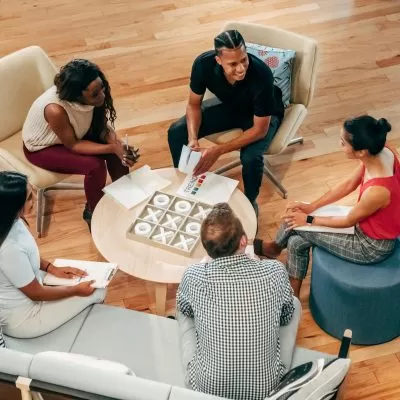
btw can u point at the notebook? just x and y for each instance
(329, 211)
(100, 272)
(133, 188)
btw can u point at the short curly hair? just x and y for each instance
(221, 232)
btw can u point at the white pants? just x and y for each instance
(49, 315)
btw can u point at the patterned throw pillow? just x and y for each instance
(281, 63)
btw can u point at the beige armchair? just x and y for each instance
(303, 84)
(24, 76)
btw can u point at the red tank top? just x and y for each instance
(384, 223)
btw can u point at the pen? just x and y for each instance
(126, 141)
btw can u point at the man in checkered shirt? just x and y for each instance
(238, 305)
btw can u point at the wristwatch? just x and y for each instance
(310, 219)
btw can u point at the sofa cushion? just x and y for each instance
(15, 362)
(60, 339)
(186, 394)
(281, 63)
(88, 377)
(147, 344)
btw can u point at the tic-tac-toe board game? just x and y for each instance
(170, 222)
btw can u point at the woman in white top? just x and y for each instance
(27, 308)
(70, 129)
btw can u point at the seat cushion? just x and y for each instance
(60, 339)
(363, 298)
(12, 157)
(186, 394)
(147, 344)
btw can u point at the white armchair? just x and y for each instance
(24, 76)
(303, 84)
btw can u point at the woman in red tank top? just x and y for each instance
(375, 217)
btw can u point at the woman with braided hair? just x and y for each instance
(70, 129)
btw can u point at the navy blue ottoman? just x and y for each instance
(363, 298)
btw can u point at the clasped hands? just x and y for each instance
(295, 214)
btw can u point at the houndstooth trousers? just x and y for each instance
(358, 248)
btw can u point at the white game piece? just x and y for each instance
(193, 228)
(202, 213)
(152, 215)
(163, 235)
(182, 206)
(184, 243)
(142, 228)
(172, 221)
(161, 200)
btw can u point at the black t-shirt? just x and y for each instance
(255, 94)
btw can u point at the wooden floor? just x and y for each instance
(146, 48)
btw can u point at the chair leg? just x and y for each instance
(39, 211)
(296, 140)
(274, 179)
(227, 167)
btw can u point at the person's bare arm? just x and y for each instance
(211, 154)
(193, 117)
(373, 199)
(58, 121)
(341, 190)
(36, 292)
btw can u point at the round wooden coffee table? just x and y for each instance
(111, 221)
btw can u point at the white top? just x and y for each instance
(36, 132)
(19, 266)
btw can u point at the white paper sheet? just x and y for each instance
(208, 188)
(100, 272)
(188, 161)
(329, 211)
(133, 188)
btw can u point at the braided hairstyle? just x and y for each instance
(367, 133)
(73, 79)
(229, 40)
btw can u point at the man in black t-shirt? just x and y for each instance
(246, 98)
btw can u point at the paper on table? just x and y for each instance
(208, 188)
(100, 272)
(329, 211)
(133, 188)
(188, 161)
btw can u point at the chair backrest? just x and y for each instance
(24, 76)
(306, 61)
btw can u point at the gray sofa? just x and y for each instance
(149, 345)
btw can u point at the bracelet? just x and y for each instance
(47, 267)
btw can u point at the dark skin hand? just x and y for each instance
(210, 155)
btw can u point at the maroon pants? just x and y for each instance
(60, 159)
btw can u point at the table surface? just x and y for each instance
(111, 221)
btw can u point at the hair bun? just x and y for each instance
(383, 126)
